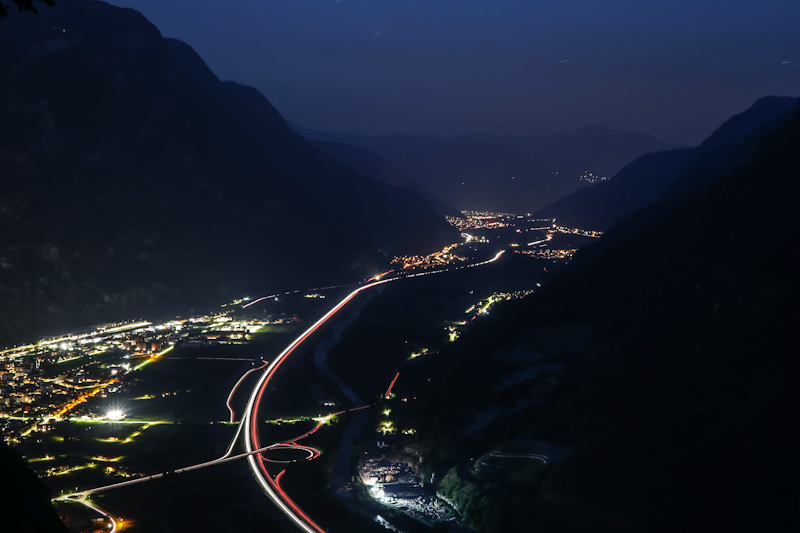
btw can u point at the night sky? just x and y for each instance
(675, 69)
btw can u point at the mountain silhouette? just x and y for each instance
(504, 173)
(375, 166)
(135, 181)
(658, 176)
(679, 378)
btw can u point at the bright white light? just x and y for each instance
(115, 414)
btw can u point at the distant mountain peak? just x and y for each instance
(511, 173)
(655, 177)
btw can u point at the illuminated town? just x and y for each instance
(47, 383)
(555, 255)
(480, 220)
(576, 231)
(83, 405)
(437, 259)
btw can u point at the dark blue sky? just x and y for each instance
(675, 68)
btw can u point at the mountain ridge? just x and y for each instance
(672, 401)
(657, 176)
(135, 181)
(503, 172)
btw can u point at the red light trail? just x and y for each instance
(389, 390)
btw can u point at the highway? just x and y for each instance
(272, 486)
(248, 426)
(252, 447)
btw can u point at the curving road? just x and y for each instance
(253, 447)
(272, 486)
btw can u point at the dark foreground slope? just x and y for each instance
(660, 175)
(694, 373)
(24, 500)
(678, 385)
(133, 180)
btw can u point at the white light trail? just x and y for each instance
(271, 488)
